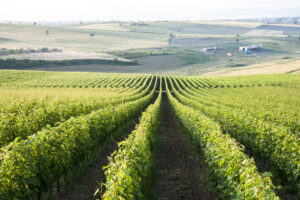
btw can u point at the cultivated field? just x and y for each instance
(74, 39)
(151, 42)
(63, 56)
(141, 130)
(272, 67)
(111, 136)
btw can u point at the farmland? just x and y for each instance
(150, 100)
(77, 135)
(145, 47)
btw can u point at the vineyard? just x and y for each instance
(155, 137)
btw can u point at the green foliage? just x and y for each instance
(5, 51)
(21, 79)
(265, 102)
(30, 166)
(129, 170)
(192, 57)
(275, 143)
(138, 53)
(26, 63)
(26, 116)
(236, 65)
(50, 122)
(236, 173)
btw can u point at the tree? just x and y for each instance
(171, 38)
(47, 32)
(34, 23)
(45, 49)
(237, 39)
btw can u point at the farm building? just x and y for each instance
(251, 47)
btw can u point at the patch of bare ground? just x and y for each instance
(86, 183)
(180, 170)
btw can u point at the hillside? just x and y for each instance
(169, 47)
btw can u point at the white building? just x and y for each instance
(254, 47)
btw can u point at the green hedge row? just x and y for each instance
(235, 172)
(128, 173)
(29, 121)
(26, 63)
(31, 166)
(272, 142)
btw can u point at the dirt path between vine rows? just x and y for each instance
(88, 182)
(180, 170)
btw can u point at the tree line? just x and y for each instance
(26, 63)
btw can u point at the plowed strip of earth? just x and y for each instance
(180, 170)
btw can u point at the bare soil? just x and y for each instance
(180, 170)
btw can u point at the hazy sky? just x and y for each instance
(72, 10)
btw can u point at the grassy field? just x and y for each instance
(75, 39)
(102, 27)
(63, 56)
(272, 67)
